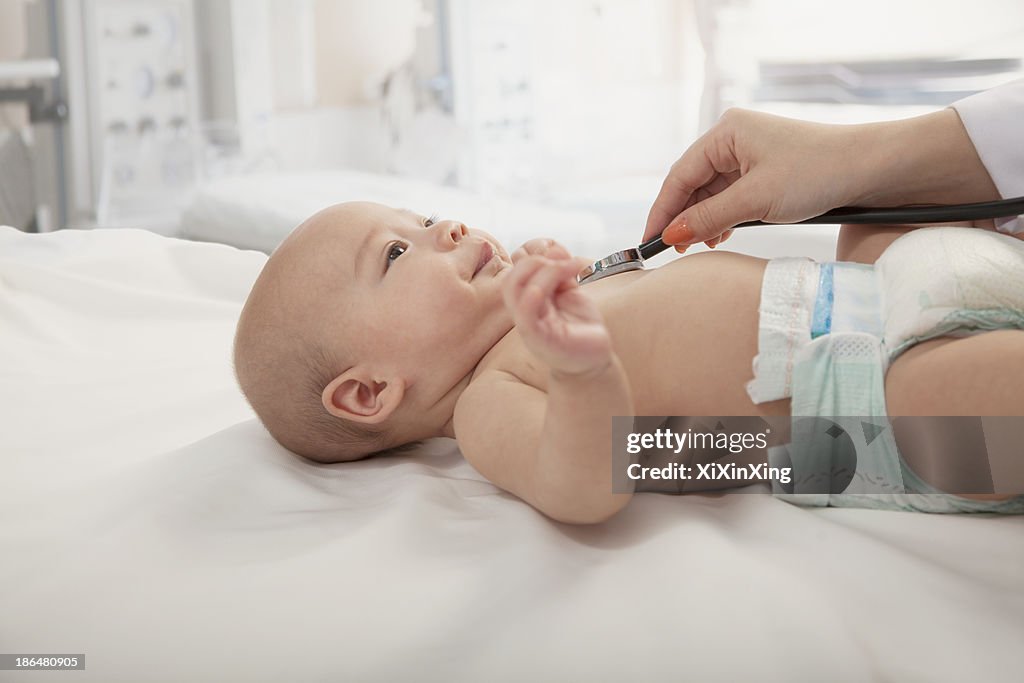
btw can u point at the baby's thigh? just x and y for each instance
(982, 375)
(865, 243)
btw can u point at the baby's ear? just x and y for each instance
(357, 396)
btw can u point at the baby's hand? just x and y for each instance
(541, 246)
(558, 322)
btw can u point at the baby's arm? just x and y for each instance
(551, 448)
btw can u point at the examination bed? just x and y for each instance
(148, 521)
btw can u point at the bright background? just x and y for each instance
(579, 104)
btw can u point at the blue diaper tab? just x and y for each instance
(821, 320)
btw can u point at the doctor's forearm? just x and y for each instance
(927, 159)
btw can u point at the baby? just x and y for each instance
(372, 327)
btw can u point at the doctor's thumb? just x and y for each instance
(710, 217)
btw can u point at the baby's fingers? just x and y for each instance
(530, 296)
(540, 246)
(517, 280)
(537, 245)
(531, 268)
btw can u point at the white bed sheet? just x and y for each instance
(148, 521)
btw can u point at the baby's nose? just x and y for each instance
(456, 231)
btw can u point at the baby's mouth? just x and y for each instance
(486, 254)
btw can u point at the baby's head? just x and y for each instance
(365, 325)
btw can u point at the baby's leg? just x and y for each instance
(865, 243)
(981, 375)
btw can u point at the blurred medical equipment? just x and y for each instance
(633, 259)
(479, 94)
(173, 94)
(133, 137)
(856, 74)
(17, 191)
(918, 81)
(23, 82)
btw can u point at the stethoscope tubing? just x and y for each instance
(856, 215)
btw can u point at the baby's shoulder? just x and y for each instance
(490, 382)
(496, 395)
(509, 361)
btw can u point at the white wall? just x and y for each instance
(561, 95)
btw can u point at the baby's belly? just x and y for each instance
(687, 334)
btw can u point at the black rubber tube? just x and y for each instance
(903, 214)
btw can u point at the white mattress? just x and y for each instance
(148, 521)
(258, 211)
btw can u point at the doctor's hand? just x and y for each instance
(753, 166)
(559, 324)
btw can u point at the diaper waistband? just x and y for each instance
(800, 301)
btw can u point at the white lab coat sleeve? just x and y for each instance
(994, 120)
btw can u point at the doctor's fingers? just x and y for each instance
(689, 173)
(713, 154)
(719, 184)
(707, 219)
(727, 199)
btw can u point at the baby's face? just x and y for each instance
(412, 295)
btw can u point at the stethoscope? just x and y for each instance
(633, 259)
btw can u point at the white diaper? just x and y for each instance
(950, 282)
(802, 300)
(829, 331)
(930, 282)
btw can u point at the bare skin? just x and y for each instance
(691, 359)
(528, 367)
(534, 430)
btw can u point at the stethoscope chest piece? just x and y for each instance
(619, 262)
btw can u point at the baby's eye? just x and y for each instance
(394, 251)
(430, 221)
